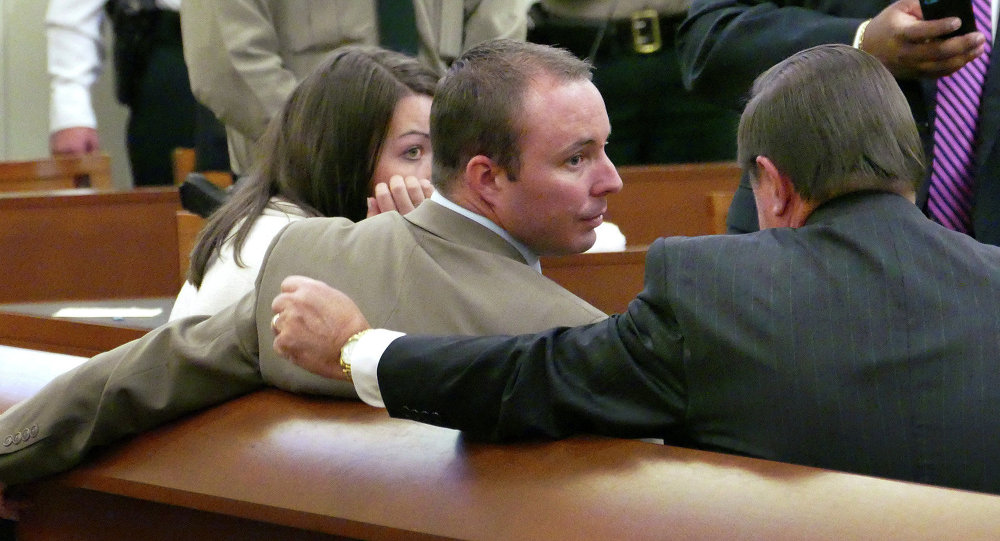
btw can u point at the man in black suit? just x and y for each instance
(725, 44)
(851, 333)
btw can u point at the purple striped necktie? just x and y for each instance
(949, 200)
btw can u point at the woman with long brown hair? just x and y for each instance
(355, 126)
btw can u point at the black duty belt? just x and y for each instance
(643, 32)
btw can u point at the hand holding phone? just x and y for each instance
(913, 46)
(939, 9)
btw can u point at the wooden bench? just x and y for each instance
(606, 280)
(35, 325)
(85, 244)
(272, 465)
(56, 173)
(718, 209)
(667, 200)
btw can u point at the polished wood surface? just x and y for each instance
(606, 280)
(668, 200)
(85, 244)
(304, 465)
(56, 173)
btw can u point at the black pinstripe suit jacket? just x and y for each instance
(866, 341)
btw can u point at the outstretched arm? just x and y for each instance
(610, 378)
(619, 377)
(176, 369)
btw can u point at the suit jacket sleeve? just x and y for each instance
(176, 369)
(724, 45)
(619, 377)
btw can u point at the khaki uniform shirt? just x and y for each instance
(245, 57)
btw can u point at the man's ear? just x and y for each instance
(777, 188)
(482, 176)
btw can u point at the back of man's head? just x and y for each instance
(834, 120)
(477, 105)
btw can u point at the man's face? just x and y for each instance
(559, 196)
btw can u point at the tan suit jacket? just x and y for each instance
(432, 271)
(245, 57)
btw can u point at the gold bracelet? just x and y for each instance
(345, 365)
(861, 34)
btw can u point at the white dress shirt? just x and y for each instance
(224, 282)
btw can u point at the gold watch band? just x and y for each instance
(345, 352)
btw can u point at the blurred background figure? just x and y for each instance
(631, 44)
(150, 79)
(246, 56)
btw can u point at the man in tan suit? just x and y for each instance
(518, 134)
(245, 57)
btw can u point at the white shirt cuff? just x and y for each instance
(364, 355)
(71, 108)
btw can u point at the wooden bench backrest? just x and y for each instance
(718, 209)
(56, 173)
(82, 244)
(606, 280)
(667, 200)
(184, 160)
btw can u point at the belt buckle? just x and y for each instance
(646, 38)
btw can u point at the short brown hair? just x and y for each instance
(834, 120)
(477, 106)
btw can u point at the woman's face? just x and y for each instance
(406, 150)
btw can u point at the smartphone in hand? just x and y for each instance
(939, 9)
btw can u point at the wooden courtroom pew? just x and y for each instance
(606, 280)
(56, 173)
(655, 201)
(84, 244)
(34, 325)
(273, 465)
(667, 200)
(183, 162)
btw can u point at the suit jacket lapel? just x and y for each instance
(454, 227)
